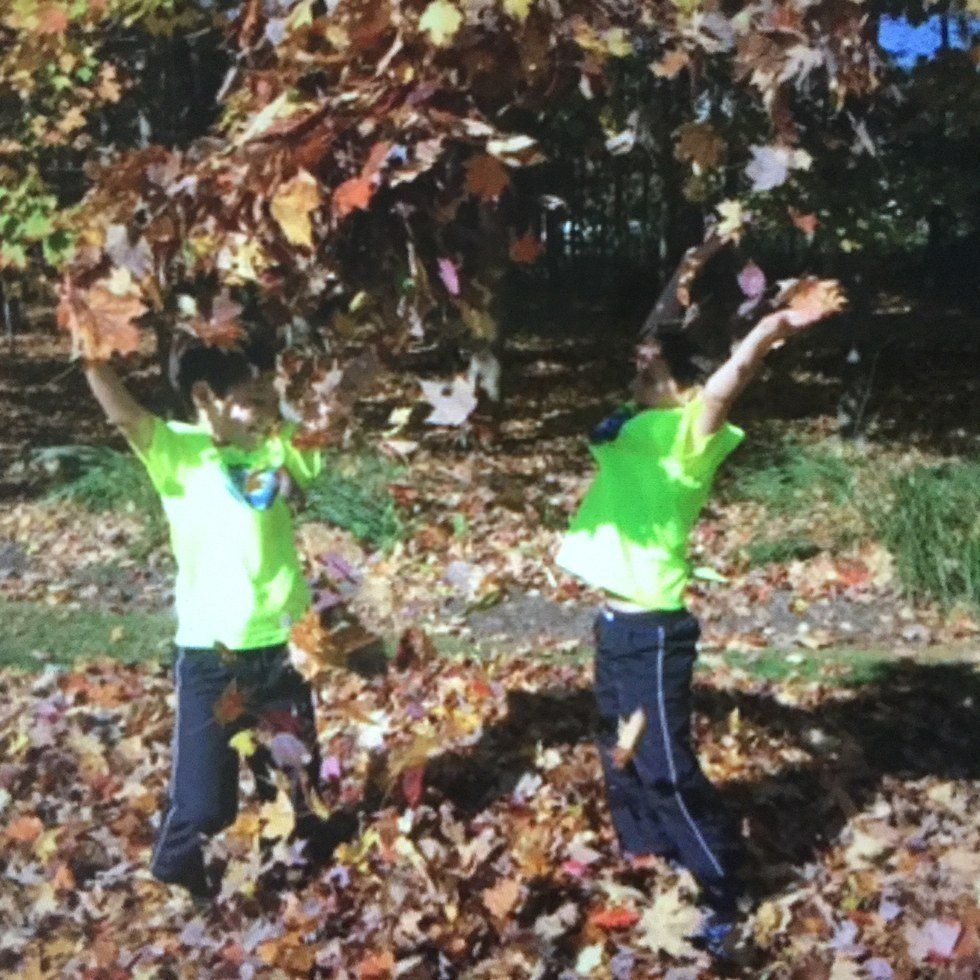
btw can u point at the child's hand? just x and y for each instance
(804, 302)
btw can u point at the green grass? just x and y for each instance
(930, 522)
(841, 666)
(101, 479)
(353, 493)
(788, 477)
(34, 634)
(791, 547)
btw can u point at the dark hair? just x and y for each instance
(191, 361)
(684, 358)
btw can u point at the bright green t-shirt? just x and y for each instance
(239, 581)
(630, 533)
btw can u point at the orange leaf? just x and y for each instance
(614, 918)
(376, 966)
(52, 19)
(376, 159)
(486, 177)
(413, 784)
(807, 223)
(25, 829)
(352, 195)
(671, 63)
(231, 705)
(805, 301)
(222, 329)
(527, 249)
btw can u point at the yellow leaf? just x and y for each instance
(518, 9)
(243, 743)
(618, 43)
(291, 207)
(277, 817)
(667, 924)
(440, 20)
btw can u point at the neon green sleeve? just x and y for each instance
(303, 465)
(162, 457)
(700, 455)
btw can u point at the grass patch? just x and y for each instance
(930, 522)
(842, 666)
(353, 492)
(101, 479)
(789, 476)
(35, 634)
(789, 548)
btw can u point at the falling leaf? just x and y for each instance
(101, 323)
(527, 249)
(518, 9)
(244, 743)
(440, 20)
(770, 166)
(501, 898)
(803, 302)
(230, 706)
(699, 144)
(807, 223)
(352, 195)
(376, 966)
(52, 19)
(413, 784)
(589, 959)
(288, 752)
(223, 327)
(628, 737)
(293, 204)
(453, 403)
(733, 220)
(486, 177)
(449, 275)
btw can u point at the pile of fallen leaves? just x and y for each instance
(464, 832)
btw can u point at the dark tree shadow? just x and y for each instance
(914, 720)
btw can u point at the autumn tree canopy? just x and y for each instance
(376, 168)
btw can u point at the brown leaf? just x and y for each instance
(52, 19)
(630, 731)
(100, 321)
(671, 63)
(376, 966)
(807, 223)
(231, 705)
(414, 649)
(223, 328)
(527, 249)
(699, 144)
(501, 898)
(486, 177)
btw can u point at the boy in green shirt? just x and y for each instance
(239, 587)
(656, 460)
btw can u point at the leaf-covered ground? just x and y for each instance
(467, 835)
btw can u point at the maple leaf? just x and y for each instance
(628, 737)
(667, 924)
(101, 321)
(699, 144)
(230, 706)
(802, 302)
(352, 195)
(293, 204)
(24, 830)
(453, 403)
(486, 177)
(440, 20)
(527, 249)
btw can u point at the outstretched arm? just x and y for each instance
(812, 301)
(122, 410)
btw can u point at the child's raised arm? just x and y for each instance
(808, 302)
(122, 410)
